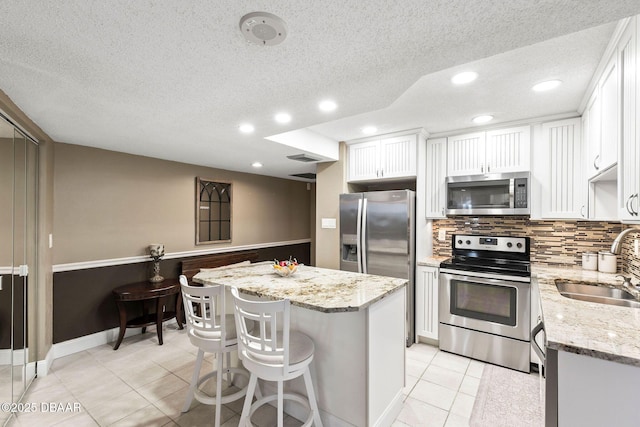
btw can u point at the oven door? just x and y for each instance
(486, 304)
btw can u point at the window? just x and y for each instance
(213, 211)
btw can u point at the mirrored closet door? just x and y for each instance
(18, 244)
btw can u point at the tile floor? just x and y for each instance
(145, 384)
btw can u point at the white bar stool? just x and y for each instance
(273, 355)
(212, 331)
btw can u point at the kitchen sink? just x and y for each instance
(597, 292)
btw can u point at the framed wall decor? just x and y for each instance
(213, 211)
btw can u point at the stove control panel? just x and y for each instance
(490, 243)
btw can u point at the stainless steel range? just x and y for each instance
(485, 300)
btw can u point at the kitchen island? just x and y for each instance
(592, 352)
(357, 324)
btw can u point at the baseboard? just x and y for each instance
(391, 412)
(43, 366)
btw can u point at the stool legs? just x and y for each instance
(246, 408)
(312, 397)
(219, 359)
(194, 381)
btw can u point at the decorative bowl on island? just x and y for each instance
(285, 268)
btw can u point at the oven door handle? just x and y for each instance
(488, 278)
(534, 333)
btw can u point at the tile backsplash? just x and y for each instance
(554, 242)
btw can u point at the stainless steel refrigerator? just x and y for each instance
(377, 236)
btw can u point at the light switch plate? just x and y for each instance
(442, 234)
(328, 223)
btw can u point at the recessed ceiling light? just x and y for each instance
(482, 119)
(256, 164)
(283, 118)
(327, 105)
(369, 130)
(246, 128)
(548, 85)
(464, 77)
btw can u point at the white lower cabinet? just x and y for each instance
(595, 392)
(427, 302)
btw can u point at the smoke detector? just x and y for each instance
(262, 28)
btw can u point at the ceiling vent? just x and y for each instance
(262, 28)
(304, 175)
(303, 158)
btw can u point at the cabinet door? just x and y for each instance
(436, 174)
(562, 185)
(593, 134)
(427, 302)
(364, 161)
(628, 204)
(466, 154)
(398, 157)
(508, 150)
(609, 117)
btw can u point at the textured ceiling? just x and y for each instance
(174, 79)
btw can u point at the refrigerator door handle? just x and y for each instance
(362, 241)
(358, 236)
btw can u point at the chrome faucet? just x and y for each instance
(616, 246)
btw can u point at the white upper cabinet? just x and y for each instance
(496, 151)
(562, 188)
(610, 117)
(436, 175)
(466, 154)
(603, 122)
(629, 182)
(386, 158)
(591, 120)
(509, 150)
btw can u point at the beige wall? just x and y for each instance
(330, 183)
(112, 205)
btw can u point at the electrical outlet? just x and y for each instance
(442, 234)
(636, 247)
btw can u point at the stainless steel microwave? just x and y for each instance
(490, 194)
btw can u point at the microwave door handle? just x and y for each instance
(512, 190)
(358, 236)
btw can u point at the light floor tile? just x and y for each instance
(149, 416)
(470, 385)
(422, 352)
(451, 361)
(433, 394)
(162, 387)
(417, 413)
(476, 368)
(454, 420)
(415, 368)
(443, 376)
(409, 383)
(118, 408)
(463, 405)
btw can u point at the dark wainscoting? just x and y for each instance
(83, 303)
(18, 298)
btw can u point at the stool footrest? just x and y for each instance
(207, 399)
(286, 396)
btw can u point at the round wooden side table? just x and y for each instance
(144, 291)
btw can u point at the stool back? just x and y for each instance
(205, 314)
(263, 331)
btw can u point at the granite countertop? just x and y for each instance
(432, 261)
(598, 330)
(319, 289)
